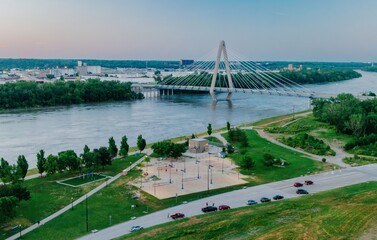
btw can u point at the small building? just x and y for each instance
(198, 145)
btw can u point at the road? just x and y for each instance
(322, 182)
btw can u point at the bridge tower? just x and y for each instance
(222, 50)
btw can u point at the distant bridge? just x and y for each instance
(230, 75)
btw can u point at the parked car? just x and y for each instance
(301, 191)
(264, 199)
(251, 202)
(277, 197)
(209, 209)
(224, 207)
(309, 182)
(136, 228)
(297, 184)
(177, 215)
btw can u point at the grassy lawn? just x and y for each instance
(214, 141)
(48, 196)
(115, 200)
(279, 119)
(298, 164)
(83, 179)
(344, 213)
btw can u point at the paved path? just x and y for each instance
(322, 182)
(81, 199)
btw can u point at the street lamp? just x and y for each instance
(210, 168)
(71, 203)
(182, 170)
(184, 165)
(141, 180)
(170, 166)
(222, 167)
(197, 162)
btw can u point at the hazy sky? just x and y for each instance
(316, 30)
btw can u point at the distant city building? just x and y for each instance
(184, 62)
(290, 67)
(83, 69)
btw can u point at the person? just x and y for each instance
(213, 204)
(207, 204)
(168, 215)
(39, 222)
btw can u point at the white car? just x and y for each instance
(136, 228)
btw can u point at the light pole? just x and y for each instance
(19, 226)
(184, 165)
(141, 180)
(158, 168)
(208, 179)
(110, 219)
(222, 167)
(170, 166)
(182, 170)
(197, 162)
(71, 203)
(210, 168)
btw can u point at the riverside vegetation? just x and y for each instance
(22, 94)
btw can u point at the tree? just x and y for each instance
(247, 162)
(124, 147)
(5, 171)
(61, 78)
(7, 205)
(69, 159)
(104, 156)
(229, 148)
(87, 157)
(209, 129)
(228, 126)
(268, 160)
(15, 190)
(41, 160)
(141, 143)
(162, 149)
(113, 149)
(177, 150)
(51, 165)
(22, 166)
(50, 76)
(193, 136)
(86, 149)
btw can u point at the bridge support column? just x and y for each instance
(222, 49)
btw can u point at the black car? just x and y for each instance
(301, 191)
(277, 197)
(264, 199)
(209, 209)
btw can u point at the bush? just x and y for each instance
(247, 162)
(229, 148)
(324, 160)
(268, 160)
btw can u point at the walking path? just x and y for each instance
(322, 182)
(81, 199)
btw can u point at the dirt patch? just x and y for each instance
(370, 234)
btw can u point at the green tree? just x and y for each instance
(209, 129)
(229, 148)
(162, 149)
(228, 126)
(22, 166)
(113, 149)
(141, 143)
(7, 208)
(5, 171)
(41, 161)
(104, 156)
(51, 165)
(268, 160)
(70, 160)
(50, 76)
(124, 147)
(247, 162)
(177, 150)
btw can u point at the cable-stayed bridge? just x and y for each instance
(230, 73)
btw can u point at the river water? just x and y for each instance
(61, 128)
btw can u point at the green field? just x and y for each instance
(83, 179)
(298, 164)
(48, 196)
(344, 213)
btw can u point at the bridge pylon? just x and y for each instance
(222, 50)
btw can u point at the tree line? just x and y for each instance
(350, 116)
(23, 94)
(239, 79)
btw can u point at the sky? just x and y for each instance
(272, 30)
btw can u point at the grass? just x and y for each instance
(258, 146)
(83, 179)
(272, 120)
(359, 161)
(115, 200)
(214, 141)
(47, 196)
(344, 213)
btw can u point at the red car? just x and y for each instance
(177, 215)
(224, 207)
(297, 184)
(308, 182)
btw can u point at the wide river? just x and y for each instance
(61, 128)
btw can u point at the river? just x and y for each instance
(61, 128)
